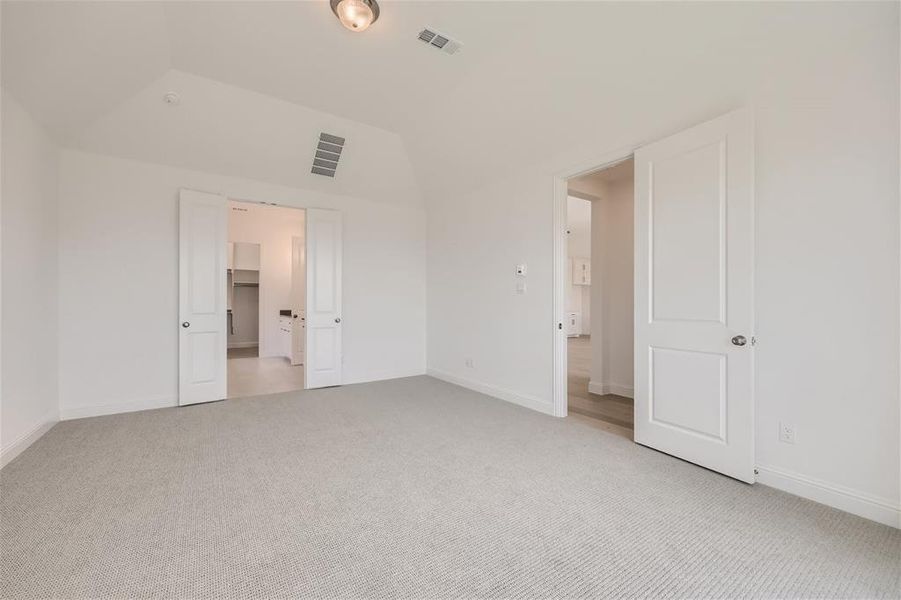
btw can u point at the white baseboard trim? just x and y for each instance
(98, 410)
(852, 501)
(600, 388)
(243, 344)
(496, 392)
(18, 445)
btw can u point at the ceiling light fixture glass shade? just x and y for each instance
(356, 15)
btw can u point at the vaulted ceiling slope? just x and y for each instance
(534, 79)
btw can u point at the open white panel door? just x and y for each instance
(202, 290)
(694, 360)
(298, 299)
(322, 355)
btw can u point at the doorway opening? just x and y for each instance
(598, 297)
(266, 312)
(692, 309)
(294, 256)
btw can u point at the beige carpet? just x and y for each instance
(405, 488)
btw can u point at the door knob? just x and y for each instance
(338, 320)
(739, 340)
(185, 324)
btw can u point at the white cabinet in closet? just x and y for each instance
(285, 325)
(245, 256)
(581, 271)
(244, 263)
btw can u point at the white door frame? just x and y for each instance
(560, 393)
(561, 192)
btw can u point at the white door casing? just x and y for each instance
(694, 236)
(322, 354)
(202, 291)
(298, 299)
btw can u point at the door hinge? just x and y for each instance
(559, 325)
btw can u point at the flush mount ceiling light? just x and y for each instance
(356, 15)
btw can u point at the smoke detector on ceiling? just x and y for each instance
(440, 41)
(171, 98)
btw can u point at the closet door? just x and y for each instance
(202, 291)
(322, 356)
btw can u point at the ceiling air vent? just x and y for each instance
(441, 42)
(328, 152)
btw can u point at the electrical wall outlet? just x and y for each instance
(786, 433)
(469, 363)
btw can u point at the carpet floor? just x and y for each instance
(407, 488)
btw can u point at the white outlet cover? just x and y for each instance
(787, 433)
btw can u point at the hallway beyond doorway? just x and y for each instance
(615, 413)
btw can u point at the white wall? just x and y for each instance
(612, 333)
(118, 280)
(272, 227)
(827, 291)
(828, 297)
(29, 389)
(579, 239)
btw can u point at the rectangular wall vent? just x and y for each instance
(439, 41)
(328, 153)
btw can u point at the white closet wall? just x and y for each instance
(612, 329)
(272, 227)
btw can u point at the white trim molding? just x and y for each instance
(98, 410)
(601, 388)
(16, 448)
(560, 398)
(495, 392)
(857, 503)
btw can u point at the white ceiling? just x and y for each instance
(71, 62)
(534, 79)
(223, 129)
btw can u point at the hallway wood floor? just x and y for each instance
(611, 412)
